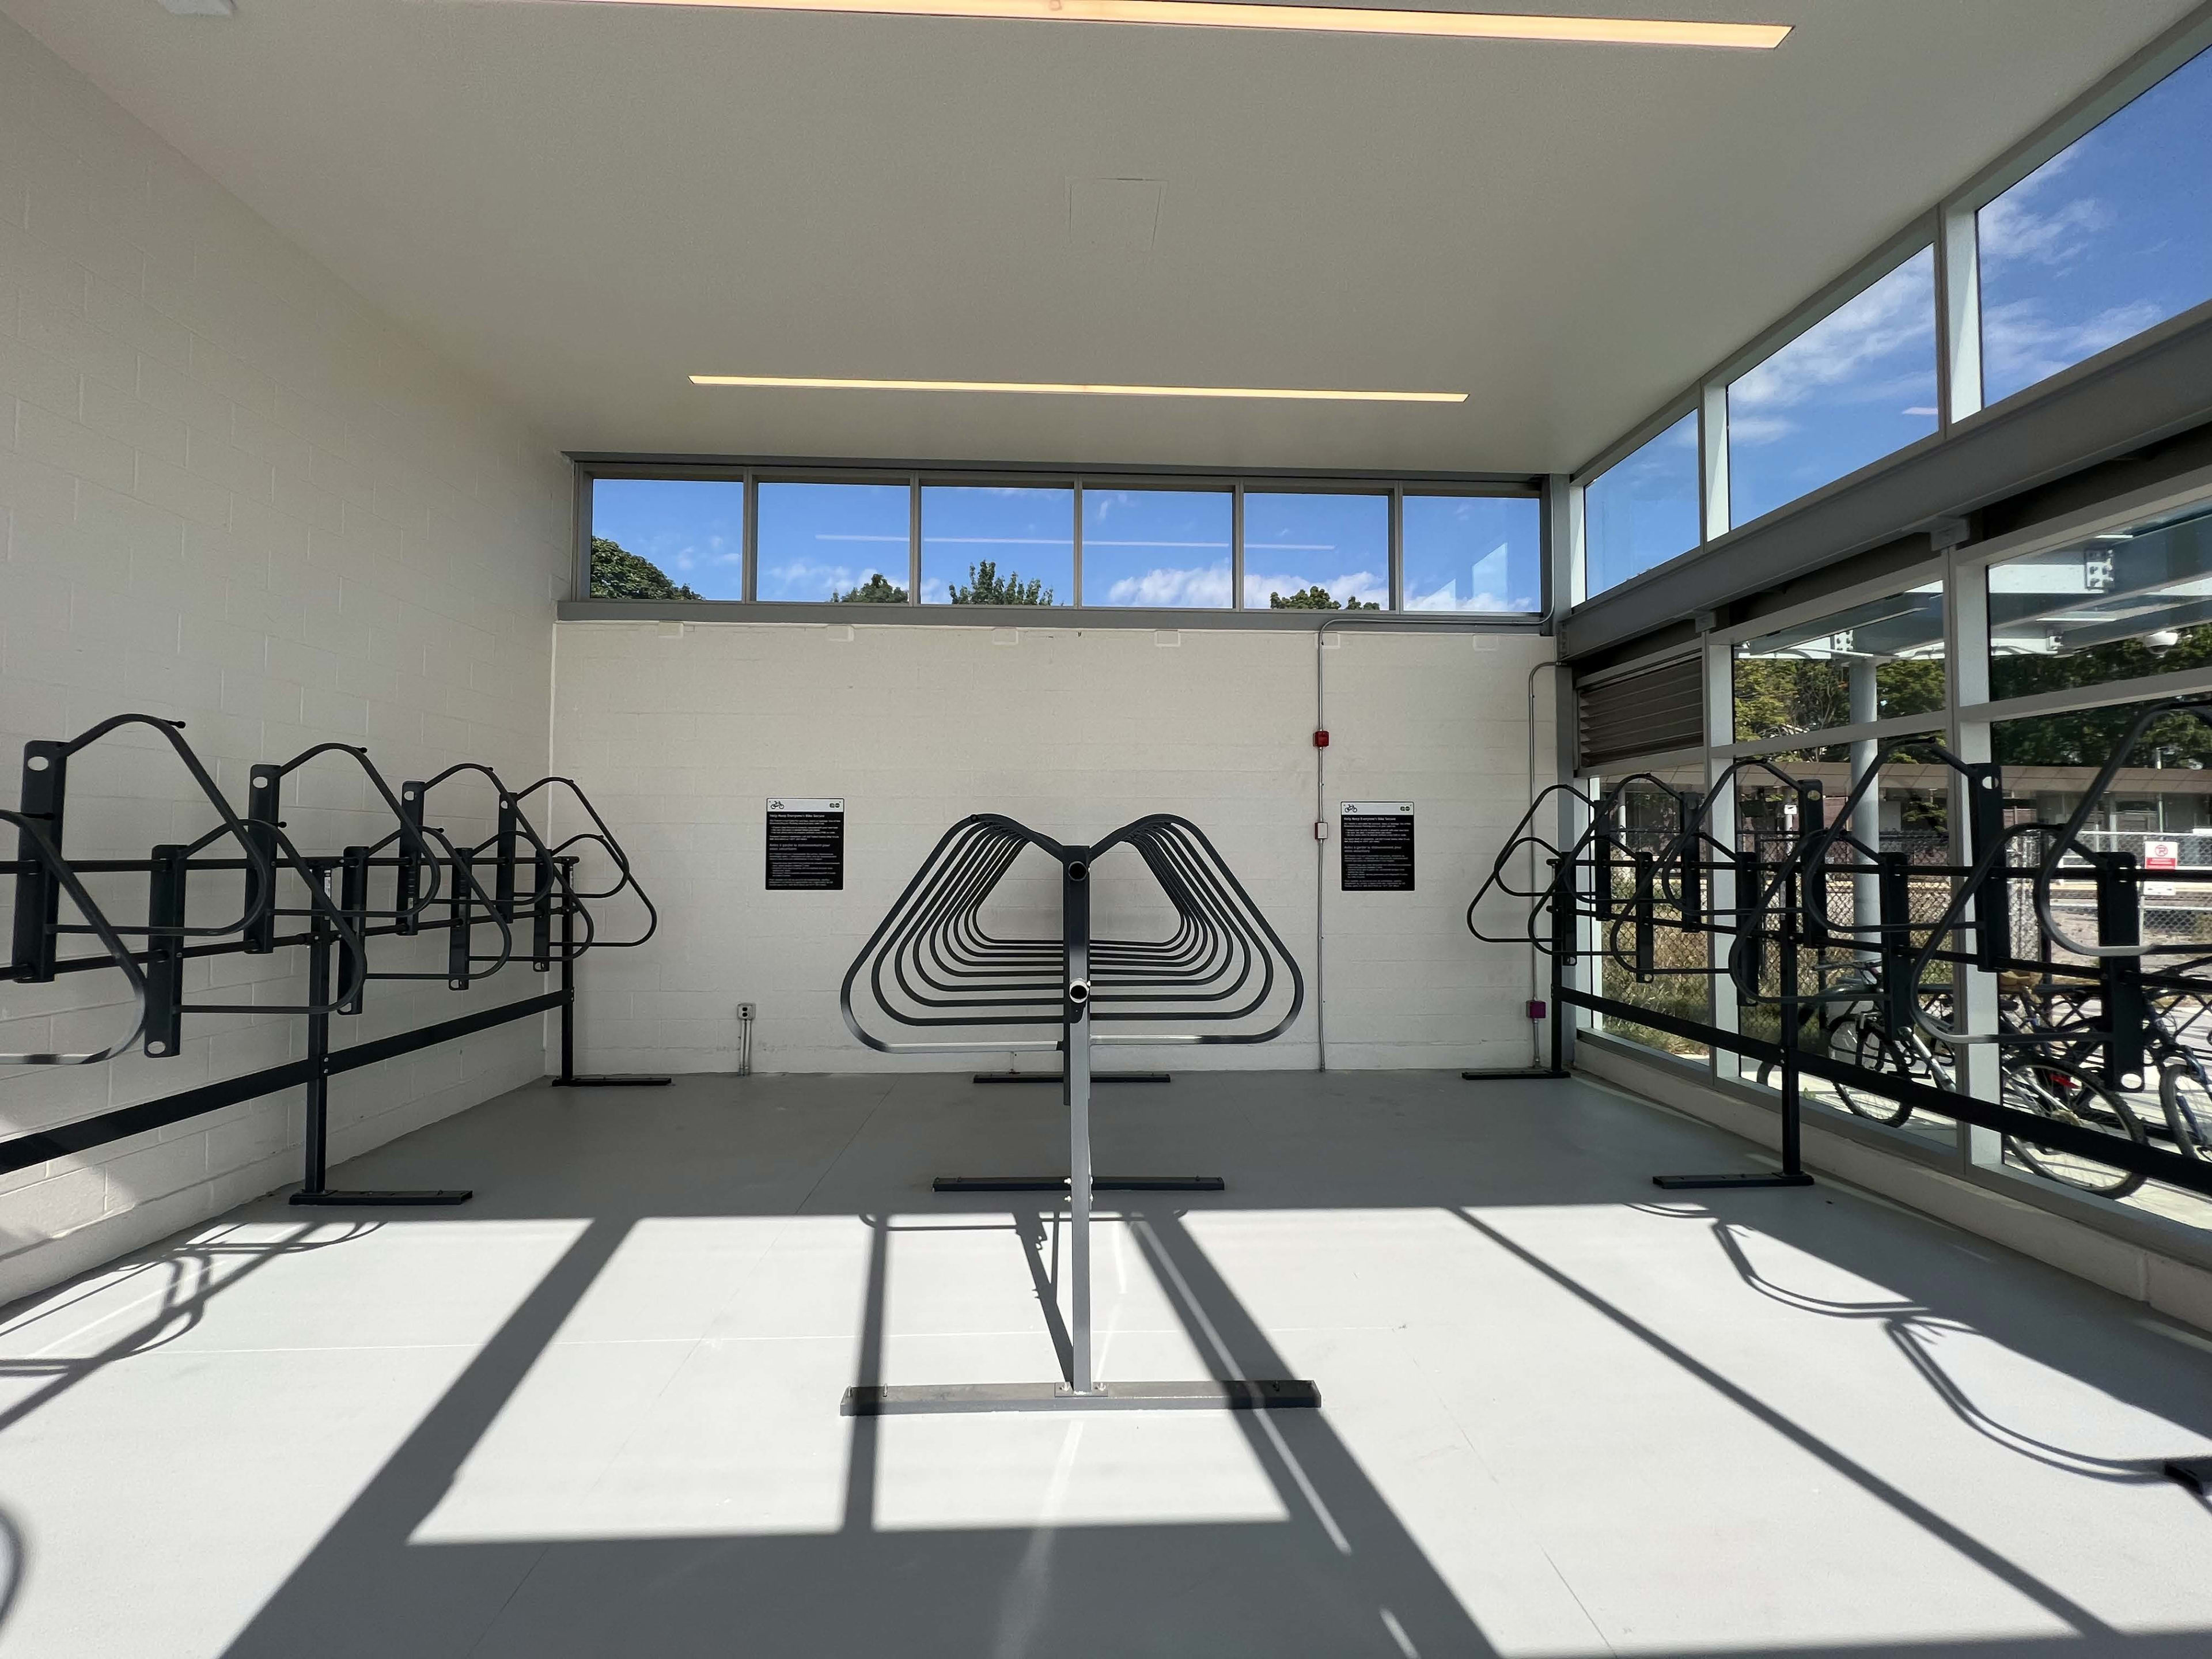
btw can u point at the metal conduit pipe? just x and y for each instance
(1396, 624)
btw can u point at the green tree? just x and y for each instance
(986, 586)
(619, 574)
(1316, 598)
(874, 591)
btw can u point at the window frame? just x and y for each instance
(1392, 486)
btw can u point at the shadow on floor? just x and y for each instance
(1340, 1574)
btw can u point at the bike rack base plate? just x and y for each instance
(1274, 1394)
(2194, 1472)
(1054, 1076)
(611, 1082)
(1098, 1184)
(428, 1195)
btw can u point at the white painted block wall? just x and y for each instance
(233, 494)
(680, 733)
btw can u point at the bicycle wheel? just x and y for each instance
(2067, 1095)
(2185, 1095)
(1871, 1049)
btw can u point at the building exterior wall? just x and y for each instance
(232, 494)
(681, 732)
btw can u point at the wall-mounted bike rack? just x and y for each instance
(320, 902)
(932, 963)
(1818, 927)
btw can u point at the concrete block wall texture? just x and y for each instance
(231, 493)
(680, 733)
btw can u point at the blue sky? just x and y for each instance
(818, 541)
(1140, 547)
(1473, 552)
(1028, 533)
(1155, 547)
(2106, 239)
(694, 532)
(1857, 385)
(1642, 510)
(1291, 542)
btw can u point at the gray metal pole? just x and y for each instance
(1866, 822)
(1075, 1031)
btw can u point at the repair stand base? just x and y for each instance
(1240, 1395)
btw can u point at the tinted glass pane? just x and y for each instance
(2109, 236)
(1473, 553)
(1313, 552)
(662, 538)
(1859, 383)
(1155, 547)
(833, 542)
(1641, 511)
(1873, 661)
(997, 546)
(2111, 607)
(1646, 816)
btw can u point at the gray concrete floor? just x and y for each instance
(596, 1412)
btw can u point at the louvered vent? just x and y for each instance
(1649, 712)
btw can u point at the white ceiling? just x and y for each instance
(584, 204)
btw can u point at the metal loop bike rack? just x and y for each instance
(933, 964)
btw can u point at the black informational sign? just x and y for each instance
(805, 845)
(1377, 837)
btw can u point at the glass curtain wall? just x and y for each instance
(2041, 657)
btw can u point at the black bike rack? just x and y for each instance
(1779, 914)
(434, 884)
(933, 964)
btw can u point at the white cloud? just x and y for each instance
(2015, 228)
(1357, 584)
(803, 579)
(1872, 349)
(2022, 344)
(1206, 585)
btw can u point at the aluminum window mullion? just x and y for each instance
(1720, 825)
(1078, 532)
(1236, 548)
(1714, 505)
(1958, 315)
(749, 542)
(914, 540)
(1396, 536)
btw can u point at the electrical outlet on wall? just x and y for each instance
(745, 1010)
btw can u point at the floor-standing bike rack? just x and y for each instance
(933, 964)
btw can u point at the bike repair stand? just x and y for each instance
(1082, 1390)
(569, 1080)
(1792, 1173)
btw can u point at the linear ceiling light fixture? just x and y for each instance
(1322, 20)
(1075, 389)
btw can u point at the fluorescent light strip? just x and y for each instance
(1318, 20)
(1073, 389)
